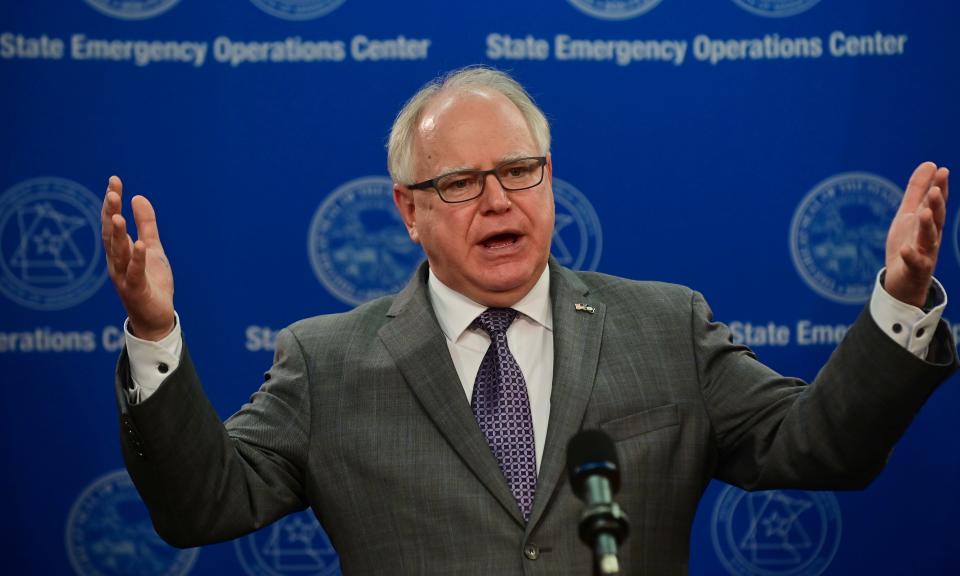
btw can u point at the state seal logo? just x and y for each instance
(298, 9)
(51, 255)
(776, 8)
(358, 244)
(775, 533)
(109, 533)
(296, 544)
(577, 236)
(956, 237)
(132, 9)
(614, 9)
(838, 234)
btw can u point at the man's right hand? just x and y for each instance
(139, 270)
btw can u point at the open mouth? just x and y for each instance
(500, 240)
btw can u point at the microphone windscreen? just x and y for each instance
(592, 452)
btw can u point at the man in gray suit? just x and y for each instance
(427, 430)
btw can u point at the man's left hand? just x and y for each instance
(913, 241)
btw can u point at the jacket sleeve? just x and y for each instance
(835, 433)
(205, 481)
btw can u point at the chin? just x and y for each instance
(509, 277)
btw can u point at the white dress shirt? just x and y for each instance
(907, 325)
(530, 339)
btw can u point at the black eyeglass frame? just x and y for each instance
(432, 183)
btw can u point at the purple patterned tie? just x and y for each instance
(502, 409)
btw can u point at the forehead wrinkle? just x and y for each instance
(443, 102)
(436, 125)
(510, 157)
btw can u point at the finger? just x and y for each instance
(941, 180)
(146, 219)
(928, 237)
(917, 187)
(115, 184)
(111, 205)
(106, 224)
(938, 207)
(136, 272)
(119, 245)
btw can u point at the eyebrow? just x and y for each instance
(502, 160)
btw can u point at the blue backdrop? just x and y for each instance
(753, 149)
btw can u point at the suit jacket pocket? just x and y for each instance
(642, 422)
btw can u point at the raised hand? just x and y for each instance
(913, 242)
(139, 270)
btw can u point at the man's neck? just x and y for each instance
(455, 310)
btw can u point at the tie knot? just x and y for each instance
(495, 320)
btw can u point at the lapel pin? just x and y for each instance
(584, 308)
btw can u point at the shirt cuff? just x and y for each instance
(907, 325)
(151, 362)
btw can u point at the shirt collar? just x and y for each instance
(455, 312)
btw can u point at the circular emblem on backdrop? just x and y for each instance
(51, 255)
(109, 533)
(775, 533)
(358, 244)
(294, 545)
(614, 9)
(776, 8)
(838, 234)
(956, 237)
(577, 236)
(298, 9)
(132, 9)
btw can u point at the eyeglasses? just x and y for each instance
(464, 185)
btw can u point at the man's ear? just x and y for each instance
(403, 198)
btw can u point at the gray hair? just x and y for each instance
(469, 79)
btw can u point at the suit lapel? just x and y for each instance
(576, 349)
(417, 345)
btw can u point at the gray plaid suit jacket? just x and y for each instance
(362, 418)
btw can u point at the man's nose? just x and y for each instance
(494, 198)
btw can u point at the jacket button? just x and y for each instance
(531, 551)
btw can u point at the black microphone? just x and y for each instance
(595, 476)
